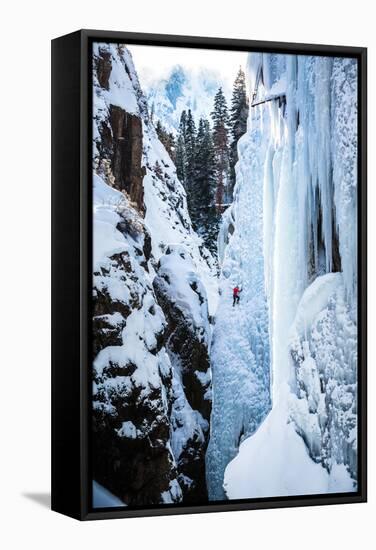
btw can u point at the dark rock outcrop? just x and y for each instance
(103, 66)
(126, 131)
(131, 428)
(192, 351)
(121, 141)
(135, 463)
(187, 347)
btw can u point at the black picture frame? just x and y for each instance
(71, 271)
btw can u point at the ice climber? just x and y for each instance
(235, 295)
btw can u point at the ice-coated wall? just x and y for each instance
(305, 110)
(240, 345)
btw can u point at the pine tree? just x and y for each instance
(159, 129)
(205, 163)
(180, 159)
(221, 144)
(201, 186)
(238, 119)
(171, 145)
(196, 167)
(183, 124)
(203, 204)
(190, 150)
(180, 153)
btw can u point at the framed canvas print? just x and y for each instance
(209, 274)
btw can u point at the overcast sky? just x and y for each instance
(155, 62)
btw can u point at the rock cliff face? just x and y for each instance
(187, 340)
(151, 374)
(131, 427)
(122, 143)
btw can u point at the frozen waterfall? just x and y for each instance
(240, 345)
(290, 241)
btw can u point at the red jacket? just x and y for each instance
(236, 291)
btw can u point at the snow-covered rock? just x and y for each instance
(150, 429)
(183, 299)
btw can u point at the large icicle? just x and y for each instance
(344, 152)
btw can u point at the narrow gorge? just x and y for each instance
(195, 399)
